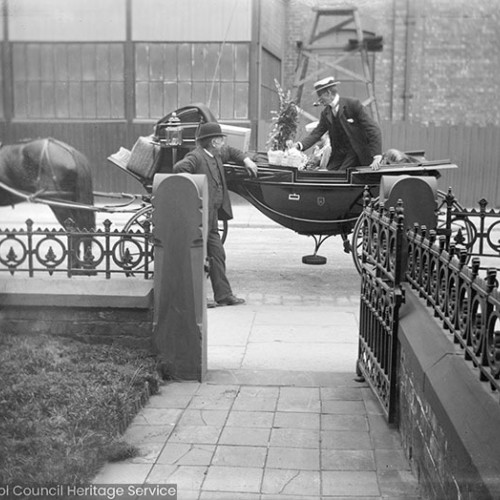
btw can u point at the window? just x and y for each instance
(79, 81)
(171, 75)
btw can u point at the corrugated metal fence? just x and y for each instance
(475, 149)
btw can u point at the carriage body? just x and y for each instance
(307, 204)
(322, 203)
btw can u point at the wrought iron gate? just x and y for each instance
(381, 297)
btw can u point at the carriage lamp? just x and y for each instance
(173, 131)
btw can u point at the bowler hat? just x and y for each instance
(325, 83)
(210, 129)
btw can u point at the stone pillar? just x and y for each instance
(180, 316)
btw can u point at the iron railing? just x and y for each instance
(71, 252)
(467, 305)
(443, 266)
(477, 230)
(381, 298)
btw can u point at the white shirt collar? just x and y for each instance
(208, 153)
(335, 101)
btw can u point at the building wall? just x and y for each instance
(440, 61)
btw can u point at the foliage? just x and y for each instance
(285, 121)
(63, 405)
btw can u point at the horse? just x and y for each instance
(51, 170)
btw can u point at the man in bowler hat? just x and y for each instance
(355, 137)
(208, 158)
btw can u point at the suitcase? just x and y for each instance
(144, 157)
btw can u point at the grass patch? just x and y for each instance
(64, 405)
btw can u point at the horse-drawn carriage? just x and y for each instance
(317, 203)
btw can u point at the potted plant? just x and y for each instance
(284, 127)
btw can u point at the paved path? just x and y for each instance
(279, 415)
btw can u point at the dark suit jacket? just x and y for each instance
(196, 162)
(362, 131)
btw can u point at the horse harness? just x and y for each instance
(45, 156)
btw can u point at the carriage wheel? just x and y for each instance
(142, 220)
(357, 241)
(462, 230)
(140, 223)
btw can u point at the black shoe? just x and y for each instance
(211, 304)
(231, 301)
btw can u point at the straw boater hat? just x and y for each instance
(210, 129)
(325, 83)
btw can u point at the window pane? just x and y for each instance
(61, 73)
(75, 63)
(62, 100)
(242, 62)
(75, 100)
(117, 100)
(227, 101)
(141, 62)
(185, 62)
(88, 63)
(33, 62)
(156, 62)
(46, 63)
(142, 100)
(241, 100)
(34, 99)
(194, 72)
(89, 100)
(116, 66)
(227, 63)
(102, 62)
(156, 98)
(21, 99)
(170, 98)
(199, 63)
(170, 61)
(103, 100)
(47, 107)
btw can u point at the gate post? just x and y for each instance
(180, 316)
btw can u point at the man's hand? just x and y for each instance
(251, 167)
(375, 164)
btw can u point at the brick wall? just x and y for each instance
(440, 62)
(96, 310)
(448, 419)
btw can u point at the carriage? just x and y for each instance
(316, 203)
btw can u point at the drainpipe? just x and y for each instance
(8, 74)
(393, 61)
(410, 29)
(255, 72)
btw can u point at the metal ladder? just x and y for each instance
(336, 56)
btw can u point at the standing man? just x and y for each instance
(355, 138)
(208, 158)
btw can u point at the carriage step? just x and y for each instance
(315, 260)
